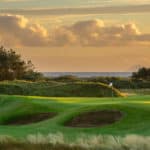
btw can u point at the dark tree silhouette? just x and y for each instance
(12, 66)
(142, 73)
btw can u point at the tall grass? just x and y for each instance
(58, 142)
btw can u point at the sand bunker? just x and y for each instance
(95, 119)
(29, 119)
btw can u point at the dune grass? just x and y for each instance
(57, 142)
(58, 89)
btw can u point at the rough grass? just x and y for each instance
(58, 89)
(136, 91)
(57, 142)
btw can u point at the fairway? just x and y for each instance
(135, 119)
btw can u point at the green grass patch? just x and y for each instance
(135, 120)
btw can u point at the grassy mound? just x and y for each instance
(58, 89)
(135, 111)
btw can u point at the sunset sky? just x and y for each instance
(78, 35)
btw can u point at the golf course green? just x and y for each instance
(135, 112)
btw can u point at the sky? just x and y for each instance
(76, 36)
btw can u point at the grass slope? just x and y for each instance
(136, 112)
(57, 89)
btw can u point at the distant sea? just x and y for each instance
(88, 74)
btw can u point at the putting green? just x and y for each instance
(135, 120)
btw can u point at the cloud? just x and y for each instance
(17, 30)
(95, 33)
(81, 10)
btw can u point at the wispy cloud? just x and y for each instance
(131, 1)
(99, 2)
(81, 10)
(14, 0)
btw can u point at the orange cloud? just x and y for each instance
(17, 30)
(95, 33)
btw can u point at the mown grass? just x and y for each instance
(135, 109)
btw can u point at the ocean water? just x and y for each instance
(88, 74)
